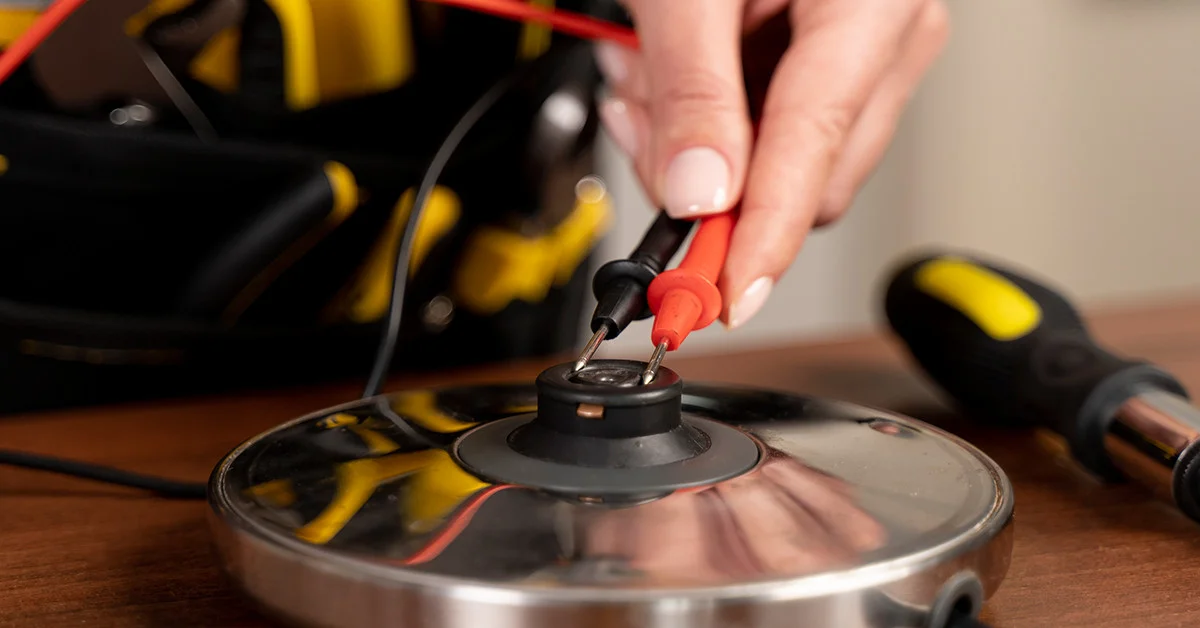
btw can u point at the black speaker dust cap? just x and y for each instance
(603, 434)
(604, 417)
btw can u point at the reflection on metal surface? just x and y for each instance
(603, 376)
(355, 482)
(782, 519)
(836, 514)
(421, 409)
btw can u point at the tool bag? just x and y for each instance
(142, 260)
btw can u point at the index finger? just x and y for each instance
(699, 141)
(840, 51)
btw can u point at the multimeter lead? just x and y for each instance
(686, 298)
(589, 350)
(620, 285)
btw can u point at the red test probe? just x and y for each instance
(620, 285)
(686, 298)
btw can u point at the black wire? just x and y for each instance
(387, 345)
(429, 180)
(108, 475)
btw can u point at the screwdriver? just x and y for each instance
(1011, 350)
(620, 285)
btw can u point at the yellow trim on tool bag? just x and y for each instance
(439, 216)
(303, 86)
(333, 49)
(217, 64)
(345, 191)
(535, 36)
(575, 236)
(437, 490)
(363, 46)
(155, 9)
(13, 22)
(421, 407)
(356, 482)
(3, 165)
(501, 266)
(374, 290)
(1001, 309)
(345, 201)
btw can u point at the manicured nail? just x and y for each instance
(612, 62)
(751, 301)
(696, 182)
(615, 114)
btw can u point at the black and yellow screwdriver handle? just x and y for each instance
(1009, 349)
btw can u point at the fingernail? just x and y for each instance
(612, 62)
(696, 182)
(751, 301)
(614, 112)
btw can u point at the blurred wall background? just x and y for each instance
(1060, 136)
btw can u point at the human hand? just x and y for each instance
(826, 81)
(780, 520)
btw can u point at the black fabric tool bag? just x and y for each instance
(124, 249)
(123, 252)
(145, 262)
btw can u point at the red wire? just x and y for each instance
(576, 24)
(38, 32)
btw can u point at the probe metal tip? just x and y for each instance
(589, 350)
(656, 359)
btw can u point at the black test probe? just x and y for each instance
(1009, 349)
(620, 285)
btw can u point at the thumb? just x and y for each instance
(699, 143)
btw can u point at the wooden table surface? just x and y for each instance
(73, 553)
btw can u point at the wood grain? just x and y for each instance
(75, 553)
